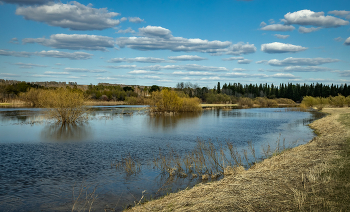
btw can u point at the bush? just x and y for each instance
(338, 101)
(31, 96)
(64, 105)
(284, 101)
(245, 101)
(168, 101)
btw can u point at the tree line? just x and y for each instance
(296, 92)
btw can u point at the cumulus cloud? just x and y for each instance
(281, 36)
(290, 61)
(347, 41)
(278, 27)
(122, 67)
(83, 70)
(128, 30)
(30, 65)
(244, 61)
(58, 54)
(27, 2)
(238, 69)
(137, 59)
(159, 38)
(74, 42)
(305, 30)
(14, 53)
(241, 48)
(135, 20)
(340, 13)
(187, 58)
(277, 47)
(73, 15)
(308, 17)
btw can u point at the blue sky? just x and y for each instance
(166, 42)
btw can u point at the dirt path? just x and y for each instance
(282, 183)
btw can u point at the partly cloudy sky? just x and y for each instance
(165, 42)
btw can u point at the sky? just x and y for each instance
(158, 42)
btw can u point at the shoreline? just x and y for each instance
(283, 182)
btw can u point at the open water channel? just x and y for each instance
(44, 166)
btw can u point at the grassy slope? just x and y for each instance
(311, 177)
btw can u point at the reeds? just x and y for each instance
(128, 164)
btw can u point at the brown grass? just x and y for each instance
(295, 180)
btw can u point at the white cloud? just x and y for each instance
(137, 59)
(277, 47)
(271, 21)
(155, 31)
(238, 69)
(26, 2)
(305, 30)
(243, 75)
(233, 58)
(278, 27)
(58, 54)
(128, 30)
(84, 70)
(122, 67)
(188, 67)
(244, 61)
(74, 42)
(193, 73)
(29, 65)
(14, 41)
(347, 41)
(15, 54)
(305, 69)
(56, 73)
(9, 75)
(308, 17)
(290, 61)
(261, 61)
(123, 19)
(281, 36)
(340, 13)
(262, 24)
(143, 72)
(73, 15)
(187, 58)
(345, 73)
(135, 20)
(159, 38)
(338, 39)
(283, 75)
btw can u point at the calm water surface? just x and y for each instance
(42, 163)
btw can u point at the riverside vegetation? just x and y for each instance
(311, 177)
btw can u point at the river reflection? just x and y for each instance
(66, 132)
(169, 122)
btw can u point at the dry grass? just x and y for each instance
(103, 103)
(295, 180)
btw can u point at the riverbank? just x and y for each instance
(305, 177)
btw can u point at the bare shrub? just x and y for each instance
(168, 101)
(245, 101)
(64, 105)
(338, 101)
(31, 96)
(284, 101)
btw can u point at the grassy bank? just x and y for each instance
(312, 177)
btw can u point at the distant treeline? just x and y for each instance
(296, 92)
(225, 93)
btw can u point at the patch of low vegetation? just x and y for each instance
(168, 100)
(321, 102)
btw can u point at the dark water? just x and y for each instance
(42, 163)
